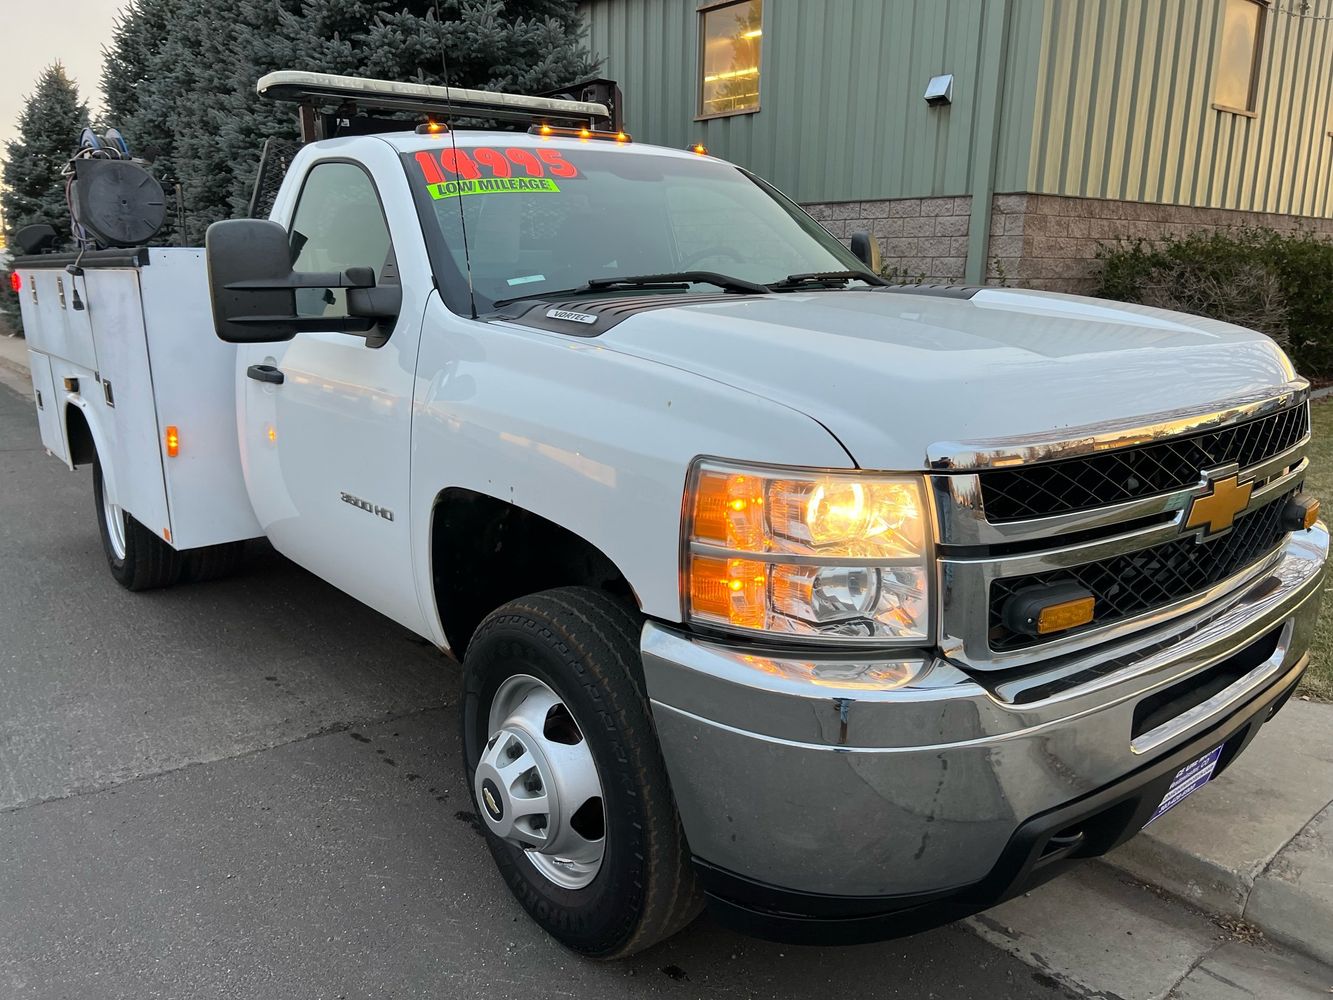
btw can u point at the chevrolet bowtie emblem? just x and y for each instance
(1216, 510)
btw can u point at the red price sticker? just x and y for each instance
(485, 170)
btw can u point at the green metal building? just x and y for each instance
(1060, 124)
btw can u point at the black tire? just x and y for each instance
(585, 646)
(149, 562)
(214, 562)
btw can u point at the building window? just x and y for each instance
(730, 37)
(1238, 59)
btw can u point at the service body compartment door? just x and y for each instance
(63, 327)
(194, 387)
(121, 410)
(48, 404)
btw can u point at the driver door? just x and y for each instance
(326, 416)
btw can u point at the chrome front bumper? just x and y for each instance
(852, 792)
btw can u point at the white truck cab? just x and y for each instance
(846, 608)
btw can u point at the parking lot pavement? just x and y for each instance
(99, 686)
(349, 865)
(251, 789)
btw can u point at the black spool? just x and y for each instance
(118, 202)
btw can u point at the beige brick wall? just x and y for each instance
(1037, 241)
(1050, 242)
(919, 237)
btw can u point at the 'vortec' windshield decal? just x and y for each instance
(492, 185)
(452, 173)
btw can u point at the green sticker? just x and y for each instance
(492, 185)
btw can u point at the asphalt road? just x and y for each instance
(251, 788)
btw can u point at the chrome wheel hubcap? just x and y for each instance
(115, 521)
(537, 784)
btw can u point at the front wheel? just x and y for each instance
(137, 558)
(567, 777)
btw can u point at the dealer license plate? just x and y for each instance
(1188, 779)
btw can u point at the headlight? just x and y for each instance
(837, 555)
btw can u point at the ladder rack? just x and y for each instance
(349, 96)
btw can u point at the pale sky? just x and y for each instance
(35, 34)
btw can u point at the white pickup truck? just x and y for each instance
(847, 609)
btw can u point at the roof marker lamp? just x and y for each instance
(546, 131)
(820, 555)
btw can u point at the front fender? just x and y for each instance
(595, 441)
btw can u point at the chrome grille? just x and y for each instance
(1111, 477)
(1134, 582)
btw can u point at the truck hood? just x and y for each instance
(890, 374)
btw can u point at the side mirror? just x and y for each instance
(253, 287)
(866, 248)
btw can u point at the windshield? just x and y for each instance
(542, 218)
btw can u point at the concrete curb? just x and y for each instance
(1292, 901)
(1257, 843)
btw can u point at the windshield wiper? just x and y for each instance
(672, 280)
(724, 281)
(825, 279)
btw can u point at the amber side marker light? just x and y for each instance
(1065, 615)
(1047, 610)
(1300, 514)
(173, 437)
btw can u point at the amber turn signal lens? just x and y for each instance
(729, 591)
(173, 438)
(729, 511)
(1311, 514)
(1065, 615)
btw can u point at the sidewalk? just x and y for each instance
(13, 361)
(1257, 843)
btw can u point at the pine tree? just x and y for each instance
(48, 132)
(180, 74)
(33, 190)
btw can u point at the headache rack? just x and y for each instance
(332, 106)
(345, 105)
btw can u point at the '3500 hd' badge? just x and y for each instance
(367, 506)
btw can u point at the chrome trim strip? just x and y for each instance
(964, 594)
(963, 522)
(1130, 541)
(1261, 602)
(973, 646)
(993, 453)
(1224, 699)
